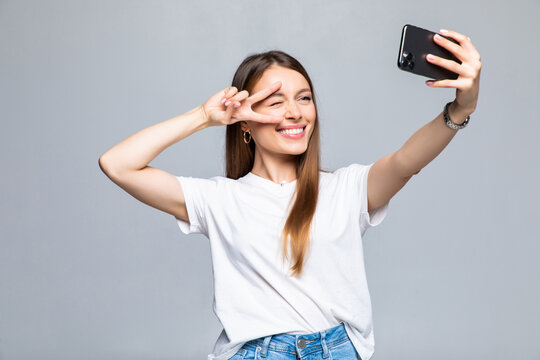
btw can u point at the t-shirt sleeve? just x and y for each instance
(375, 216)
(198, 193)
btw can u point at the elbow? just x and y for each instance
(112, 168)
(100, 163)
(105, 166)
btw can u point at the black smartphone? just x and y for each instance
(415, 44)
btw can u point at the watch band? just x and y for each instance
(450, 123)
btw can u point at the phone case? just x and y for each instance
(415, 44)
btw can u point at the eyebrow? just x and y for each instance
(282, 95)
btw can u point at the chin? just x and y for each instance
(297, 151)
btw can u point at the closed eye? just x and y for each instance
(304, 97)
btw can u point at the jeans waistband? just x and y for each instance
(302, 344)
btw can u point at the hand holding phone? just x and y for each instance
(415, 44)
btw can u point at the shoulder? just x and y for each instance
(351, 171)
(210, 185)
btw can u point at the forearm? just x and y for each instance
(428, 142)
(139, 149)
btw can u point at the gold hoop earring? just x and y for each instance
(247, 132)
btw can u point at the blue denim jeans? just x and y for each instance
(329, 344)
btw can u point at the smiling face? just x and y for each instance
(293, 102)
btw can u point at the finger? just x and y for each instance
(474, 52)
(242, 95)
(445, 63)
(467, 44)
(235, 100)
(455, 35)
(264, 93)
(454, 48)
(463, 40)
(228, 92)
(446, 83)
(266, 118)
(229, 110)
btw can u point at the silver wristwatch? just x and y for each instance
(449, 122)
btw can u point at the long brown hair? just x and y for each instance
(239, 157)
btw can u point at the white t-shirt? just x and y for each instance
(253, 294)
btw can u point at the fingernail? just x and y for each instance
(430, 57)
(236, 105)
(429, 82)
(228, 102)
(223, 100)
(443, 31)
(438, 37)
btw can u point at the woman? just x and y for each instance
(277, 212)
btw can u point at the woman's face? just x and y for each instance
(293, 102)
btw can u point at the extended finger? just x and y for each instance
(266, 118)
(455, 35)
(463, 40)
(454, 48)
(445, 63)
(264, 93)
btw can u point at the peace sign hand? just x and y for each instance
(468, 82)
(229, 106)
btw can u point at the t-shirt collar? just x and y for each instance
(268, 184)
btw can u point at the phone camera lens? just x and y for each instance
(411, 65)
(409, 56)
(404, 63)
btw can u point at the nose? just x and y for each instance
(292, 111)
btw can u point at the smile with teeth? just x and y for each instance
(292, 131)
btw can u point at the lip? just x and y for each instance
(293, 136)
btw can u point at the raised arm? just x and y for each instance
(390, 173)
(126, 163)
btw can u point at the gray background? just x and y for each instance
(88, 272)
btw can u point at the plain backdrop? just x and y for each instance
(89, 272)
